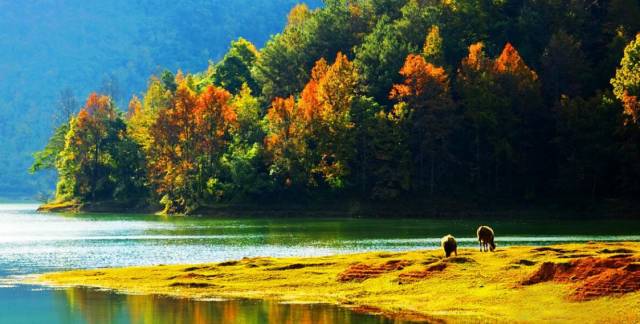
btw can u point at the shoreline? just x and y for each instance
(512, 284)
(351, 209)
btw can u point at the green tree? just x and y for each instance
(234, 69)
(283, 67)
(280, 70)
(380, 57)
(626, 83)
(432, 50)
(243, 161)
(98, 160)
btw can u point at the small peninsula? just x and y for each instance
(591, 282)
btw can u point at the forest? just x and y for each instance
(530, 101)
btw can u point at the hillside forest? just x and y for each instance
(526, 101)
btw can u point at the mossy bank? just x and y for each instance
(593, 282)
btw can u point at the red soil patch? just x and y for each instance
(361, 271)
(595, 277)
(413, 276)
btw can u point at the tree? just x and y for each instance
(528, 141)
(284, 142)
(234, 69)
(364, 112)
(391, 163)
(243, 161)
(172, 165)
(98, 160)
(141, 116)
(214, 117)
(168, 80)
(432, 50)
(417, 17)
(139, 122)
(379, 59)
(626, 87)
(283, 67)
(426, 94)
(327, 101)
(626, 83)
(278, 70)
(481, 106)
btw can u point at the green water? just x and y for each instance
(35, 243)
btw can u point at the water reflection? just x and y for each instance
(101, 307)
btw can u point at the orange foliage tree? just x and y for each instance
(326, 102)
(172, 166)
(188, 139)
(215, 116)
(310, 141)
(284, 141)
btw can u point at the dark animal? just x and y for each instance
(486, 238)
(449, 245)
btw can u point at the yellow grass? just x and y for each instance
(472, 287)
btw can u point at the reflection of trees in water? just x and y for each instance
(101, 307)
(94, 306)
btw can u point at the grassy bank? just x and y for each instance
(594, 282)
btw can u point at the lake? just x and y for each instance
(33, 243)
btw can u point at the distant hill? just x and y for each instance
(50, 45)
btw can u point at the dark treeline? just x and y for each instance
(380, 100)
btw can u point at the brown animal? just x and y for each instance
(486, 238)
(449, 245)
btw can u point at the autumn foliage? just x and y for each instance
(356, 101)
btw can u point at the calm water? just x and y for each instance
(34, 243)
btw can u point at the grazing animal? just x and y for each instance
(486, 238)
(450, 245)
